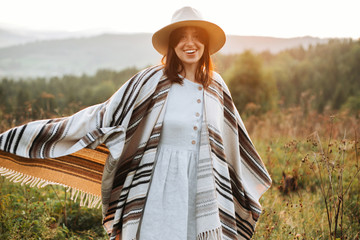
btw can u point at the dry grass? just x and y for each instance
(321, 153)
(313, 160)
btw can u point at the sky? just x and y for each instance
(275, 18)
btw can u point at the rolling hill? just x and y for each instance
(25, 56)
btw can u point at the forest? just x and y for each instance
(300, 106)
(322, 78)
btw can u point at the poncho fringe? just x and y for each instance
(85, 200)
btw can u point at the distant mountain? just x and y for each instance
(237, 44)
(77, 56)
(27, 56)
(9, 38)
(16, 36)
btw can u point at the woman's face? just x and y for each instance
(190, 47)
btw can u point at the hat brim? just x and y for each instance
(217, 38)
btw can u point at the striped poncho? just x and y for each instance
(231, 176)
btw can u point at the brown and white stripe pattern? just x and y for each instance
(133, 175)
(240, 176)
(231, 176)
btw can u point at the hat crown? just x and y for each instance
(186, 14)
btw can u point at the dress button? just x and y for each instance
(198, 101)
(197, 114)
(193, 142)
(195, 128)
(200, 88)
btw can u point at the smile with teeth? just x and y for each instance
(190, 51)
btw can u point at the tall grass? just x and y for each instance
(32, 213)
(320, 153)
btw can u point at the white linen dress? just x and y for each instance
(170, 207)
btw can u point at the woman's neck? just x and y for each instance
(189, 72)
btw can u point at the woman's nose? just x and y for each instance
(190, 40)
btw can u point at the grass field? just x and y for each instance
(313, 160)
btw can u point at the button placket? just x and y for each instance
(197, 120)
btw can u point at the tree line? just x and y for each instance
(325, 77)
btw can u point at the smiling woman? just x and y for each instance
(187, 56)
(180, 165)
(189, 46)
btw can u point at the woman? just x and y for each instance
(181, 164)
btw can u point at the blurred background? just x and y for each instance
(293, 68)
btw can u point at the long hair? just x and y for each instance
(173, 65)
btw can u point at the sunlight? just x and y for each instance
(278, 18)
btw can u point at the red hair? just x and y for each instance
(173, 65)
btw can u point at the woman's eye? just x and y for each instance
(182, 37)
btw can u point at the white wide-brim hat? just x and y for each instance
(189, 17)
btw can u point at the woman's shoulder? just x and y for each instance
(143, 76)
(151, 70)
(220, 81)
(217, 77)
